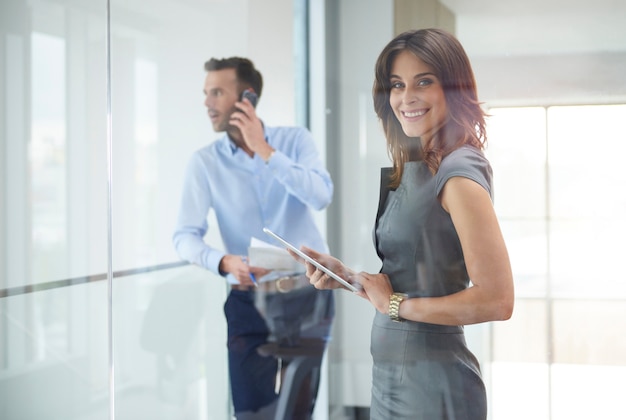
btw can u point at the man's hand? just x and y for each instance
(237, 266)
(249, 124)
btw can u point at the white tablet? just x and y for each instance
(311, 260)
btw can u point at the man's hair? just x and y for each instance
(445, 55)
(247, 75)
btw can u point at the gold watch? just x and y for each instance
(394, 306)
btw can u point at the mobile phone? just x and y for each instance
(252, 97)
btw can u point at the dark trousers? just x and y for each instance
(252, 376)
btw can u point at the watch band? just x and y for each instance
(394, 306)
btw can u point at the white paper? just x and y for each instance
(265, 255)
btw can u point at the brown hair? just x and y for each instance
(247, 75)
(466, 119)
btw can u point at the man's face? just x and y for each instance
(221, 92)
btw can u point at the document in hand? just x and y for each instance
(265, 255)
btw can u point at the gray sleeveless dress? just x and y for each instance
(424, 371)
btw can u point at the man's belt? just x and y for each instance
(283, 284)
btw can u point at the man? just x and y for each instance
(253, 177)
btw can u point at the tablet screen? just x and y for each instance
(311, 260)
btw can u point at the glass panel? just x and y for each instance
(55, 362)
(170, 356)
(169, 350)
(67, 172)
(54, 357)
(159, 119)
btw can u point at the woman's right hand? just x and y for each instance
(317, 277)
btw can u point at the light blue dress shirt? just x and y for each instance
(248, 194)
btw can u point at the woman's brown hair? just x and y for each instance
(466, 119)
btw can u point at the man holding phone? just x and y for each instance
(252, 177)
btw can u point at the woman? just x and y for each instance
(444, 260)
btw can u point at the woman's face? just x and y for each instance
(416, 97)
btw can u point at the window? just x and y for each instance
(558, 195)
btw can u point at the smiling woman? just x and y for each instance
(417, 98)
(444, 261)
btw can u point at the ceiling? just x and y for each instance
(531, 7)
(540, 27)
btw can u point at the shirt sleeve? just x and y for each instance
(298, 167)
(467, 162)
(191, 226)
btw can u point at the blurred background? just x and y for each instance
(101, 106)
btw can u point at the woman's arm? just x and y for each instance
(491, 295)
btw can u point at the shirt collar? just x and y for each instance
(233, 146)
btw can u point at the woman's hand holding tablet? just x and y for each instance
(352, 287)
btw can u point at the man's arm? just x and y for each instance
(300, 169)
(192, 225)
(302, 172)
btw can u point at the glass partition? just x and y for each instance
(169, 349)
(98, 317)
(170, 352)
(55, 354)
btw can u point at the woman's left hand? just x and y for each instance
(376, 288)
